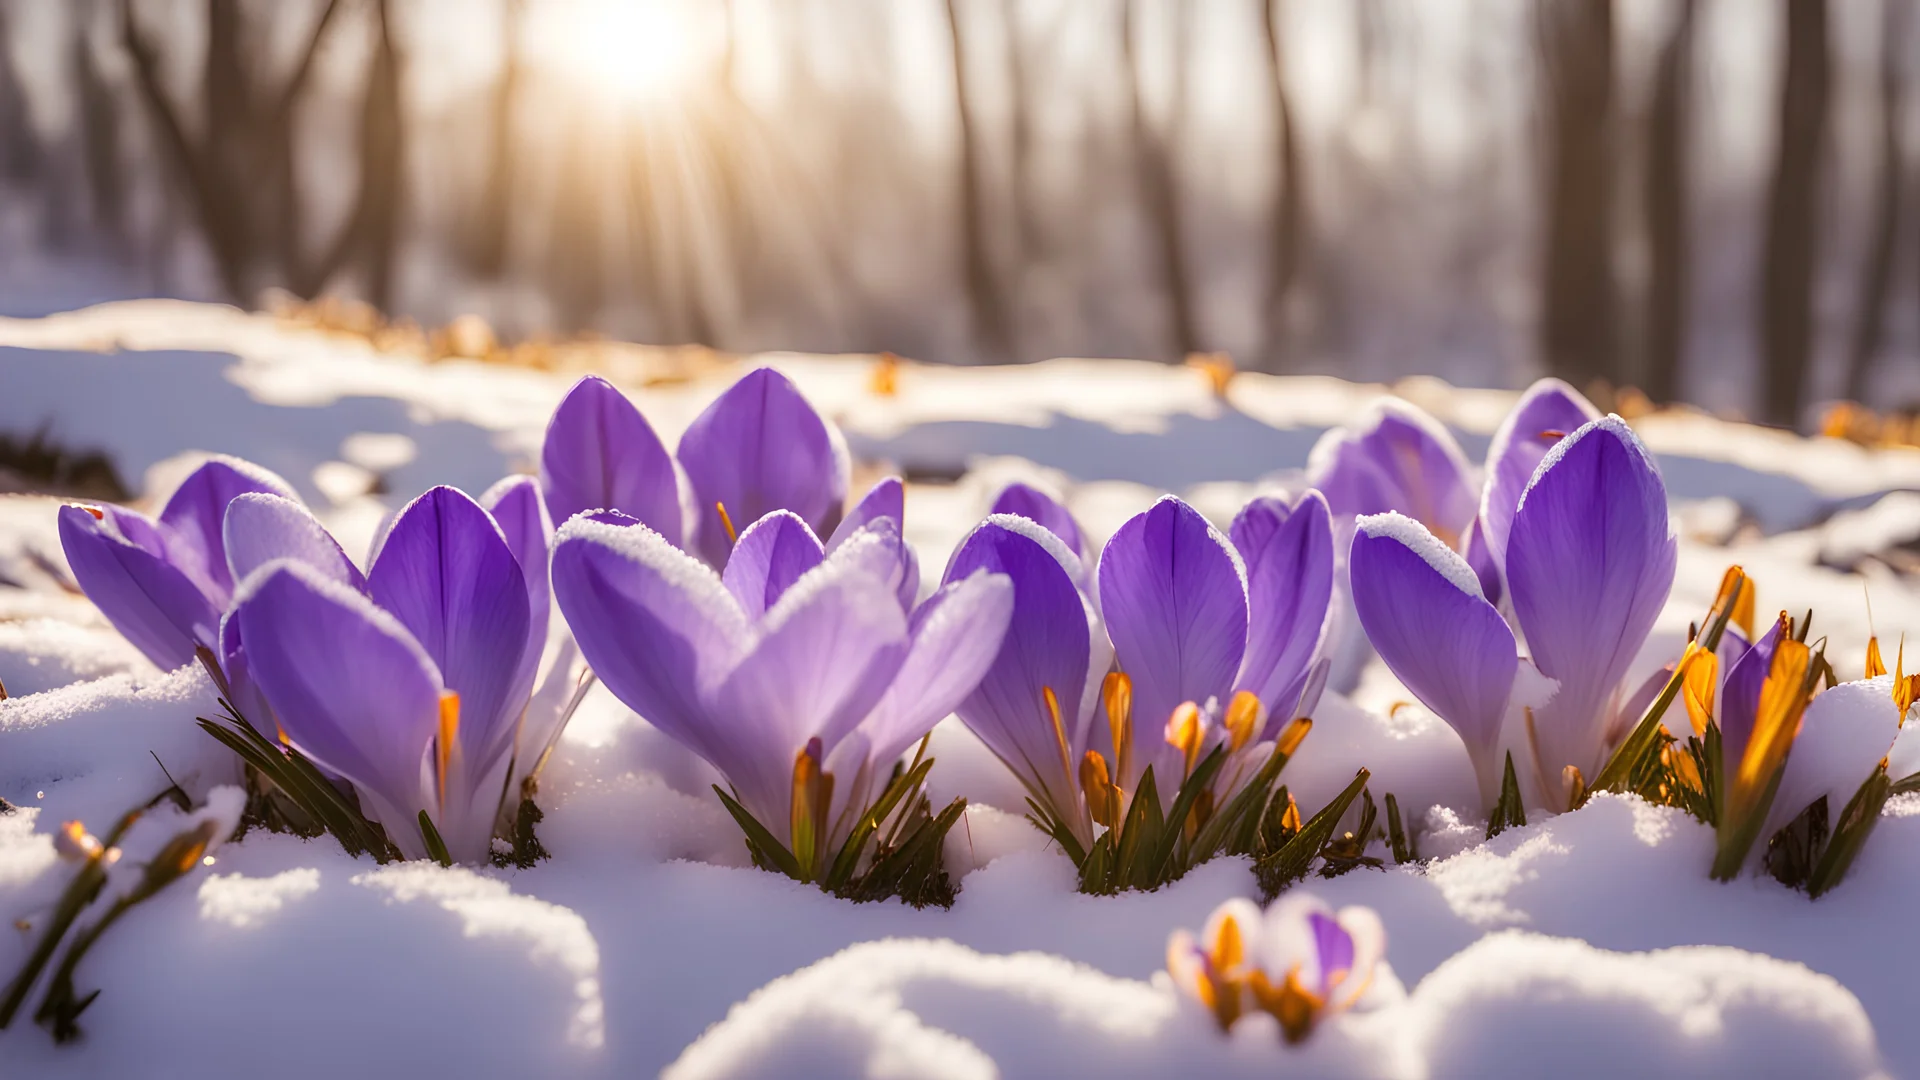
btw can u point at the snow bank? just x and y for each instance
(1540, 1005)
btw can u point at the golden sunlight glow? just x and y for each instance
(632, 51)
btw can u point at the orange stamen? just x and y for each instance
(726, 522)
(449, 731)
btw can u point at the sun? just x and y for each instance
(632, 51)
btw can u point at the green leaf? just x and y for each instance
(760, 838)
(1510, 811)
(1096, 872)
(1396, 835)
(1161, 864)
(436, 847)
(1294, 858)
(1856, 823)
(1139, 832)
(907, 870)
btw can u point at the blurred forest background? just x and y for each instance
(1714, 201)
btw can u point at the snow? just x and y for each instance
(1588, 944)
(1414, 536)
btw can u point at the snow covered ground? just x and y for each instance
(1586, 944)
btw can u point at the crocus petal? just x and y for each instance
(260, 528)
(1175, 601)
(956, 636)
(655, 624)
(772, 554)
(517, 507)
(193, 519)
(1740, 691)
(1844, 733)
(447, 574)
(1420, 605)
(1590, 561)
(759, 448)
(1048, 645)
(1480, 557)
(601, 454)
(886, 499)
(1399, 459)
(829, 651)
(350, 686)
(120, 561)
(1022, 500)
(1547, 412)
(1289, 556)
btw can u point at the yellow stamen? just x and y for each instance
(1575, 784)
(726, 522)
(812, 798)
(1906, 688)
(1291, 1003)
(1702, 676)
(1737, 591)
(1059, 729)
(1116, 693)
(1228, 949)
(1218, 367)
(1103, 797)
(1184, 733)
(1243, 719)
(1290, 820)
(1681, 764)
(1292, 734)
(449, 730)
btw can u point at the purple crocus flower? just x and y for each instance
(1401, 459)
(1034, 707)
(601, 454)
(758, 448)
(1300, 961)
(1196, 618)
(1545, 414)
(1589, 563)
(1024, 500)
(796, 651)
(414, 689)
(164, 583)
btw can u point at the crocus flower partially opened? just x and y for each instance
(164, 583)
(1034, 707)
(798, 674)
(1300, 961)
(1027, 501)
(758, 448)
(1397, 458)
(1197, 621)
(413, 690)
(1589, 561)
(1402, 460)
(601, 454)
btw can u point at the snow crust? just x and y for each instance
(1416, 538)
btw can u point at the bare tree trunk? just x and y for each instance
(1154, 169)
(20, 151)
(1020, 105)
(1578, 311)
(1876, 278)
(1665, 205)
(489, 252)
(983, 290)
(1289, 204)
(99, 133)
(1793, 205)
